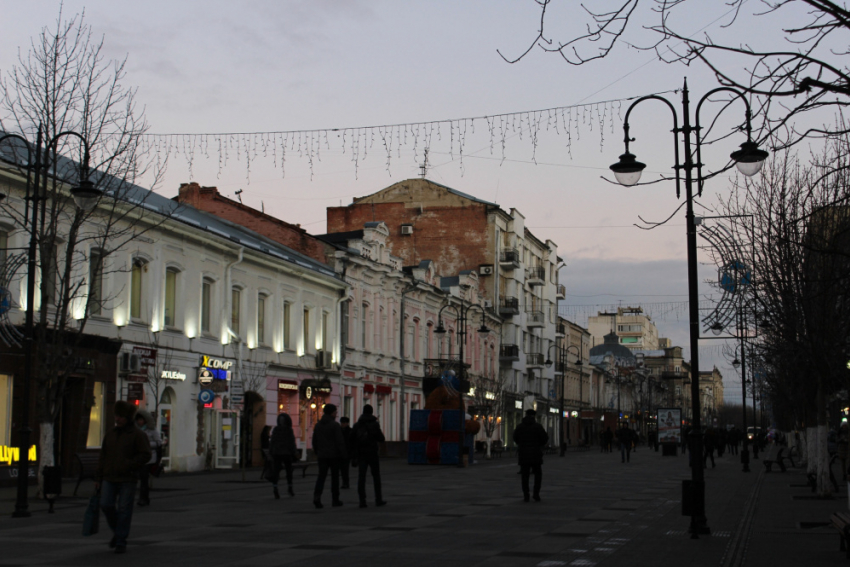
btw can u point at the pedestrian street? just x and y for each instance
(595, 510)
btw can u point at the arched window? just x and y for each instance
(261, 318)
(171, 275)
(235, 309)
(137, 287)
(206, 305)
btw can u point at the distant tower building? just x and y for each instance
(634, 329)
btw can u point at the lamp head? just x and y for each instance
(736, 363)
(627, 170)
(86, 195)
(483, 330)
(749, 158)
(440, 330)
(548, 363)
(716, 328)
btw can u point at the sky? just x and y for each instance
(213, 67)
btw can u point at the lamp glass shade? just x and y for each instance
(86, 195)
(736, 363)
(440, 329)
(548, 363)
(627, 170)
(749, 158)
(483, 330)
(717, 328)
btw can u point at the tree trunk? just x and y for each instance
(824, 485)
(45, 447)
(489, 443)
(811, 449)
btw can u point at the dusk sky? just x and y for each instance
(282, 67)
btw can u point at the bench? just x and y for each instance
(496, 449)
(841, 522)
(88, 467)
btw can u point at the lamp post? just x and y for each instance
(85, 197)
(462, 313)
(616, 375)
(749, 160)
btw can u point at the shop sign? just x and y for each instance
(287, 385)
(517, 404)
(206, 396)
(554, 410)
(215, 363)
(311, 388)
(308, 392)
(173, 375)
(368, 388)
(383, 389)
(8, 455)
(147, 356)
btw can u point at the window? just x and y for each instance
(95, 302)
(261, 319)
(5, 410)
(96, 421)
(235, 309)
(206, 298)
(170, 297)
(287, 314)
(136, 288)
(306, 317)
(363, 311)
(326, 343)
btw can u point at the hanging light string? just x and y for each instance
(657, 311)
(389, 139)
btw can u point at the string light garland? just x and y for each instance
(358, 142)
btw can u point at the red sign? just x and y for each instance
(147, 356)
(383, 389)
(368, 388)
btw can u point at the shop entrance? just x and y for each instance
(222, 427)
(164, 424)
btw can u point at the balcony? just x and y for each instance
(509, 306)
(534, 319)
(535, 276)
(509, 258)
(560, 331)
(561, 291)
(508, 353)
(534, 359)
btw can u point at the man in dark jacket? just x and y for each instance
(366, 434)
(329, 447)
(123, 452)
(626, 437)
(530, 438)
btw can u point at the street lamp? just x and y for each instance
(562, 359)
(462, 313)
(85, 197)
(619, 379)
(628, 170)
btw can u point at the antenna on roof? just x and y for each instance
(423, 169)
(239, 196)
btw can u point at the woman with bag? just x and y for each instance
(145, 422)
(282, 449)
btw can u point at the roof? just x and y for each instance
(147, 199)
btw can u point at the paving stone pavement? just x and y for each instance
(595, 511)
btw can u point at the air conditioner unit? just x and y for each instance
(407, 229)
(486, 270)
(488, 304)
(324, 359)
(129, 362)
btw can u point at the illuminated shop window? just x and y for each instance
(5, 410)
(95, 436)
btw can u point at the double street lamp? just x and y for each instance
(748, 159)
(85, 196)
(615, 375)
(562, 364)
(462, 314)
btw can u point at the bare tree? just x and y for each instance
(807, 74)
(488, 396)
(82, 123)
(801, 264)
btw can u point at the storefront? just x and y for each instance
(313, 395)
(221, 423)
(513, 414)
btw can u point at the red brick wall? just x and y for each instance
(207, 199)
(453, 237)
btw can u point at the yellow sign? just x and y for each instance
(8, 455)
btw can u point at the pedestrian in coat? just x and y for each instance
(123, 452)
(708, 447)
(608, 439)
(345, 462)
(626, 437)
(329, 447)
(282, 450)
(530, 438)
(144, 420)
(366, 435)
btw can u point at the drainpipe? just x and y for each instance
(401, 431)
(228, 302)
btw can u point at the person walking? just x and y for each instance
(366, 434)
(530, 438)
(345, 462)
(144, 420)
(709, 444)
(626, 437)
(608, 439)
(123, 452)
(330, 449)
(282, 450)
